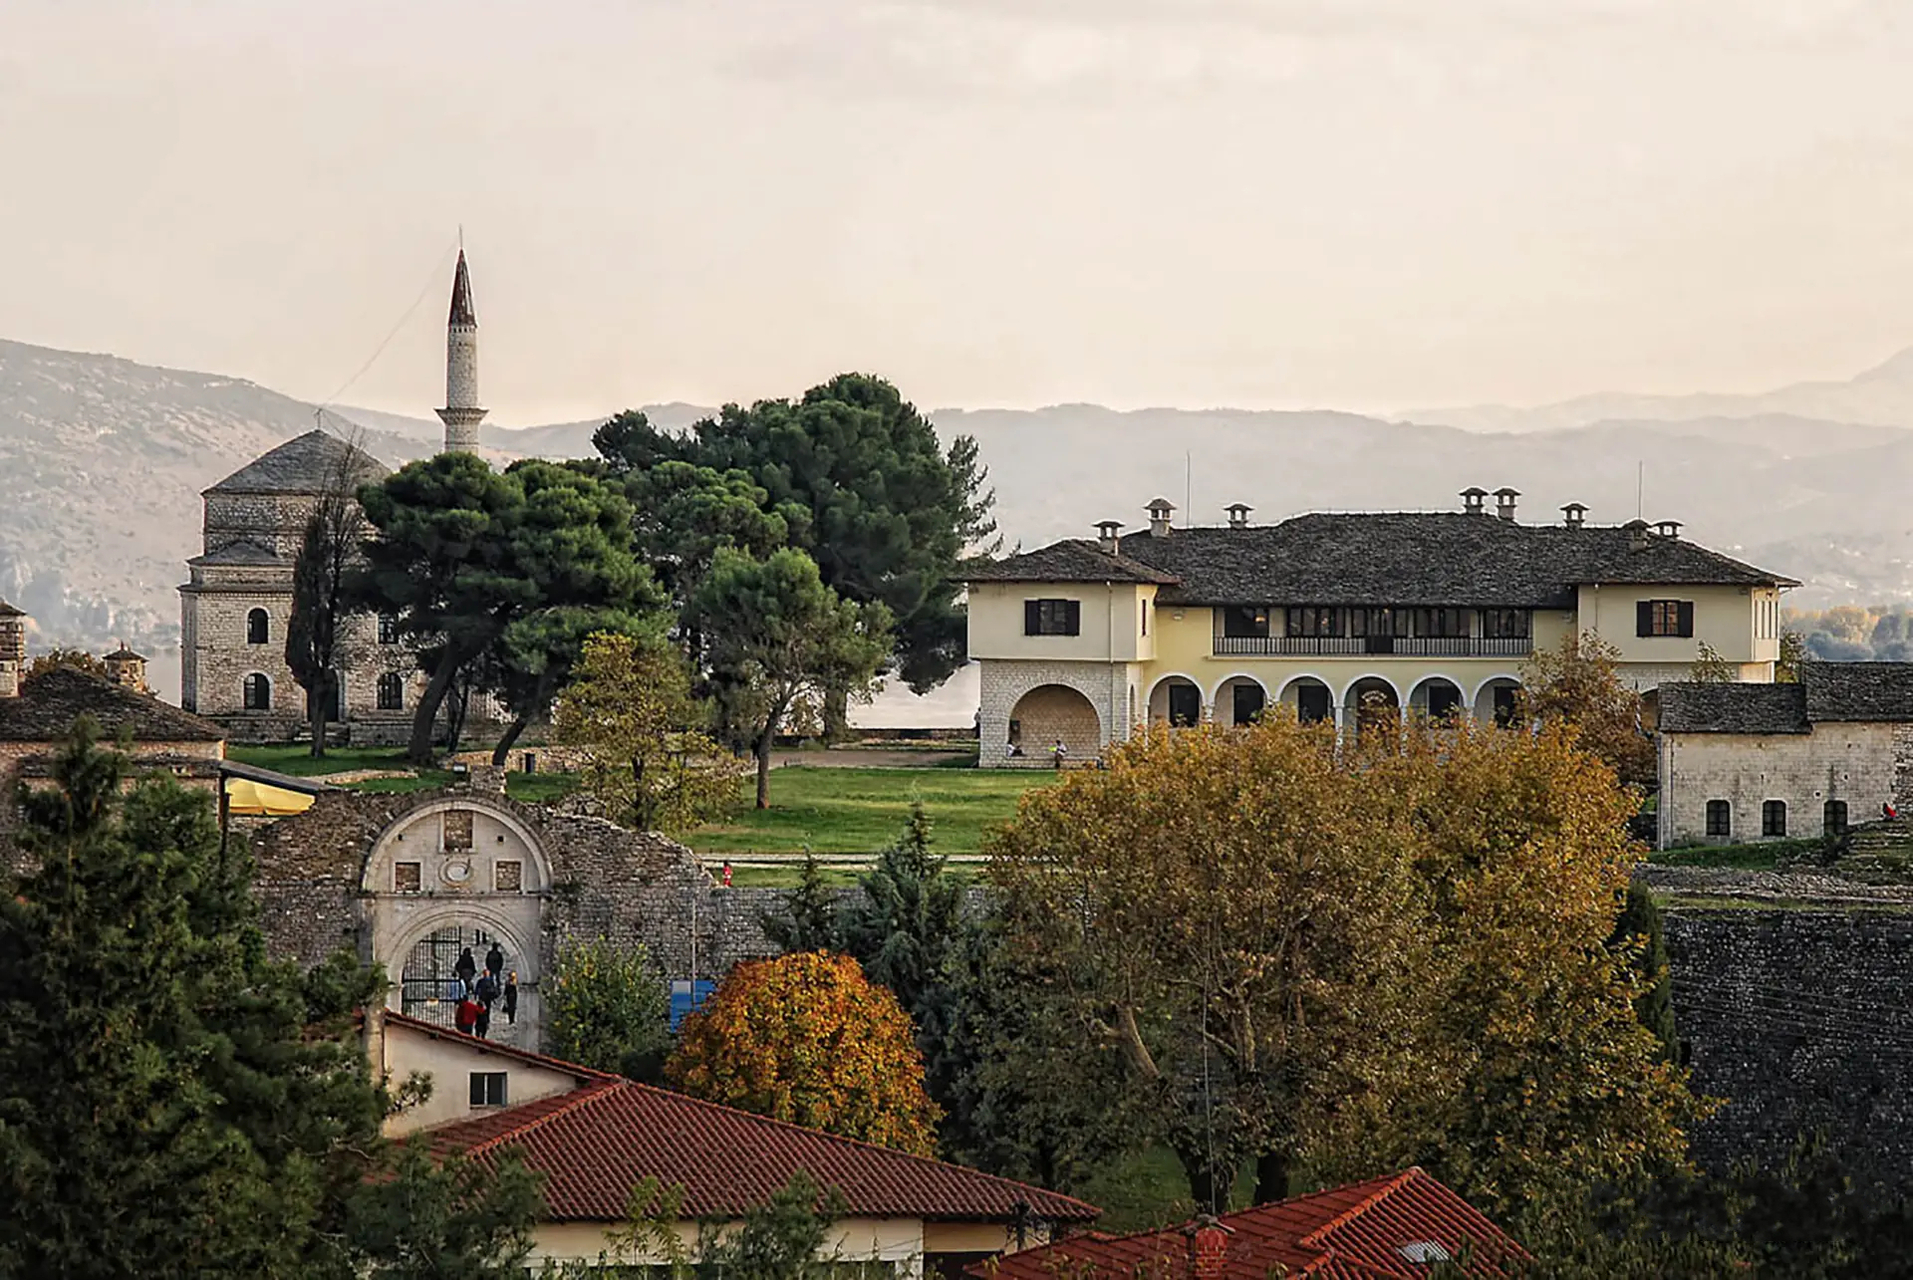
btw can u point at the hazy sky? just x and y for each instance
(1368, 204)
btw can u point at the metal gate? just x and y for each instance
(429, 986)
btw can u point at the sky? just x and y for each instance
(1362, 204)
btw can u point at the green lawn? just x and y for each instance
(1763, 856)
(828, 810)
(297, 760)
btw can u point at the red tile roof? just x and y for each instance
(594, 1145)
(1355, 1232)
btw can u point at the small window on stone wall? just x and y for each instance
(1833, 817)
(407, 877)
(458, 829)
(1773, 818)
(508, 877)
(1720, 820)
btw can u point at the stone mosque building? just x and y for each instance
(236, 605)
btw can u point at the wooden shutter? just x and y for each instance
(1687, 617)
(1032, 617)
(1073, 617)
(1644, 618)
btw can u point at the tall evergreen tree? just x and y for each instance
(908, 921)
(1641, 930)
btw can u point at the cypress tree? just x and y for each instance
(1641, 919)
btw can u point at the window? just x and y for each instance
(1833, 817)
(407, 877)
(257, 693)
(391, 692)
(1720, 821)
(488, 1088)
(1441, 624)
(1664, 618)
(1312, 703)
(1507, 705)
(1773, 818)
(1240, 621)
(1315, 620)
(1506, 624)
(508, 876)
(1052, 617)
(258, 628)
(388, 628)
(1145, 617)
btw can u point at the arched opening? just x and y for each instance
(444, 964)
(1310, 699)
(1498, 702)
(256, 693)
(1436, 698)
(1240, 701)
(258, 627)
(1051, 714)
(1176, 701)
(1371, 703)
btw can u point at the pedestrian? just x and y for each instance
(466, 968)
(1059, 753)
(494, 961)
(466, 1018)
(727, 873)
(511, 998)
(487, 989)
(482, 1022)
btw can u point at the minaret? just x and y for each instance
(461, 414)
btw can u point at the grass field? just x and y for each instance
(830, 810)
(297, 760)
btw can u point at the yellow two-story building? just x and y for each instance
(1326, 614)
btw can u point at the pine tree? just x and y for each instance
(909, 919)
(807, 920)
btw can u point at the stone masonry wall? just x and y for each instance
(1862, 764)
(1799, 1018)
(1005, 681)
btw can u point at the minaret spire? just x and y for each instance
(461, 414)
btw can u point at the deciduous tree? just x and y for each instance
(317, 634)
(79, 659)
(1578, 683)
(629, 710)
(773, 632)
(808, 1039)
(605, 1007)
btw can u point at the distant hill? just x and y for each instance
(102, 461)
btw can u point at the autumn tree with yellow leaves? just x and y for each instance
(1331, 958)
(806, 1038)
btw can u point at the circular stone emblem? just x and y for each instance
(457, 872)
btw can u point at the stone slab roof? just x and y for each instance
(303, 464)
(594, 1145)
(50, 702)
(241, 553)
(1071, 560)
(1865, 692)
(1378, 558)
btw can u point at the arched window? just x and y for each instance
(1773, 818)
(391, 692)
(1833, 817)
(258, 691)
(258, 630)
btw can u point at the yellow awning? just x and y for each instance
(258, 800)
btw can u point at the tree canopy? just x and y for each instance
(808, 1039)
(1578, 683)
(463, 553)
(605, 1007)
(629, 710)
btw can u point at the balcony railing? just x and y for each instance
(1358, 646)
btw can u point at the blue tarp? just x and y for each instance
(687, 996)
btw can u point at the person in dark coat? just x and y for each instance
(494, 961)
(511, 998)
(466, 968)
(482, 1024)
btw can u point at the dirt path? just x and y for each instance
(874, 759)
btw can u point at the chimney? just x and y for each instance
(1471, 500)
(1109, 536)
(1668, 528)
(1636, 531)
(1504, 502)
(1238, 514)
(1160, 511)
(1574, 515)
(1208, 1247)
(127, 669)
(13, 649)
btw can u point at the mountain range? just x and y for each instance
(102, 461)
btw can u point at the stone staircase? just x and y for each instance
(1878, 852)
